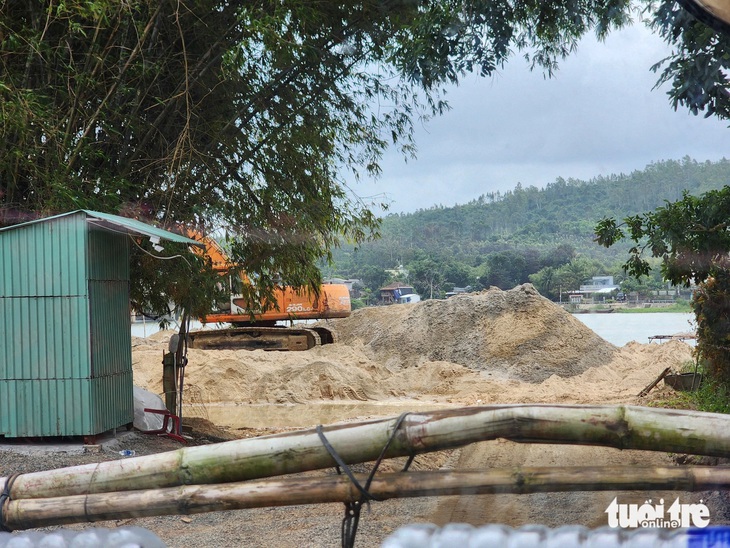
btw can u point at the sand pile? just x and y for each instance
(514, 334)
(492, 347)
(331, 372)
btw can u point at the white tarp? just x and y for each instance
(145, 399)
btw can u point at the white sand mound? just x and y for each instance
(492, 347)
(516, 334)
(331, 372)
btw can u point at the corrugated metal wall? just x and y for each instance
(65, 344)
(112, 400)
(54, 407)
(111, 339)
(108, 255)
(65, 407)
(44, 259)
(42, 338)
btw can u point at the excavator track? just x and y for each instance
(259, 338)
(326, 335)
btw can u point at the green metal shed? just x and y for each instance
(65, 337)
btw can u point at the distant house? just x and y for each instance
(398, 271)
(391, 293)
(575, 298)
(458, 290)
(599, 284)
(599, 287)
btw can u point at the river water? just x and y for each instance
(620, 329)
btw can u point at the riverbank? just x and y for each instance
(628, 308)
(682, 308)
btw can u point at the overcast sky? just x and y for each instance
(597, 116)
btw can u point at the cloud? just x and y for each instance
(598, 116)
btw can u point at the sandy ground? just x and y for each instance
(487, 348)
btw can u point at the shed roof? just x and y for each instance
(117, 224)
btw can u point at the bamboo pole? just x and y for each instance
(622, 427)
(31, 513)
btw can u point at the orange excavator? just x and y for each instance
(262, 329)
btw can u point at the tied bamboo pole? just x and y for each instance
(622, 427)
(31, 513)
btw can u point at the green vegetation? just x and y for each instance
(239, 118)
(712, 396)
(543, 236)
(691, 238)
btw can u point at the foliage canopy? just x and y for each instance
(691, 236)
(242, 118)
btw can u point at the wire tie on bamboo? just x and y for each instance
(352, 509)
(5, 497)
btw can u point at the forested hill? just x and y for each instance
(534, 222)
(565, 211)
